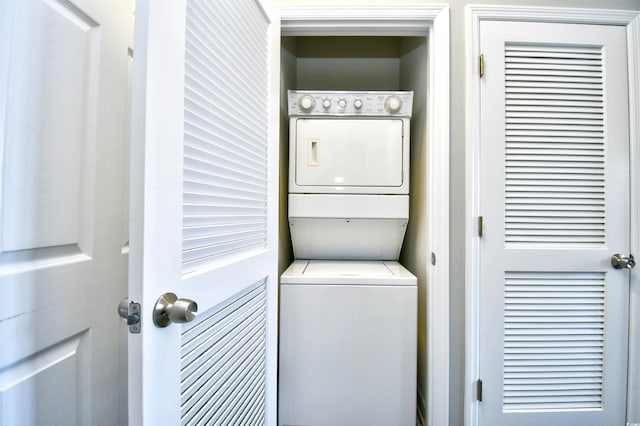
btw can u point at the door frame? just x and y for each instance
(474, 15)
(431, 21)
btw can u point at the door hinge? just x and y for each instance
(480, 226)
(481, 65)
(130, 311)
(479, 390)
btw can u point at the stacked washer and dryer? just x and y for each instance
(348, 309)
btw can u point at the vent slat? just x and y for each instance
(554, 147)
(223, 360)
(202, 254)
(225, 153)
(553, 340)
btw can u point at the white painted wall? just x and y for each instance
(413, 76)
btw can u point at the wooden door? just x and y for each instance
(204, 211)
(555, 201)
(63, 73)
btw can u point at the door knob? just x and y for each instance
(170, 309)
(620, 262)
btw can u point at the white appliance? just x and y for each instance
(348, 313)
(347, 344)
(355, 144)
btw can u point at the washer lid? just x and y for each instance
(347, 269)
(333, 272)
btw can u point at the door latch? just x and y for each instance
(131, 312)
(621, 262)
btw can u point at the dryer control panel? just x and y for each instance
(360, 103)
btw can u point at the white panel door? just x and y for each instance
(555, 199)
(203, 211)
(63, 73)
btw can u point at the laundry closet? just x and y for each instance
(358, 63)
(363, 63)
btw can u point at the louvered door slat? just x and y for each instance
(553, 328)
(205, 92)
(225, 148)
(198, 177)
(199, 257)
(555, 157)
(223, 361)
(218, 166)
(218, 56)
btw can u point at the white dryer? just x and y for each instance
(348, 313)
(348, 174)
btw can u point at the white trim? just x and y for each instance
(438, 324)
(474, 15)
(633, 48)
(472, 202)
(272, 286)
(409, 20)
(347, 18)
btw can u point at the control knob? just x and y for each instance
(393, 104)
(306, 103)
(342, 103)
(357, 104)
(326, 103)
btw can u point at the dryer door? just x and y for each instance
(350, 154)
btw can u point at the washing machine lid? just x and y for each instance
(347, 272)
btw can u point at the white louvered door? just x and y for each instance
(203, 208)
(555, 200)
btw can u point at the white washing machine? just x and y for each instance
(347, 344)
(348, 309)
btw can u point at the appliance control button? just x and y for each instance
(326, 103)
(393, 104)
(306, 103)
(357, 104)
(342, 103)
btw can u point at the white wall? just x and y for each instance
(413, 76)
(287, 80)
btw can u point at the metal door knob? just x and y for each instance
(620, 262)
(170, 309)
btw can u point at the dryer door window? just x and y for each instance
(349, 152)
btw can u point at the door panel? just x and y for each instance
(51, 80)
(204, 196)
(54, 380)
(61, 265)
(554, 179)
